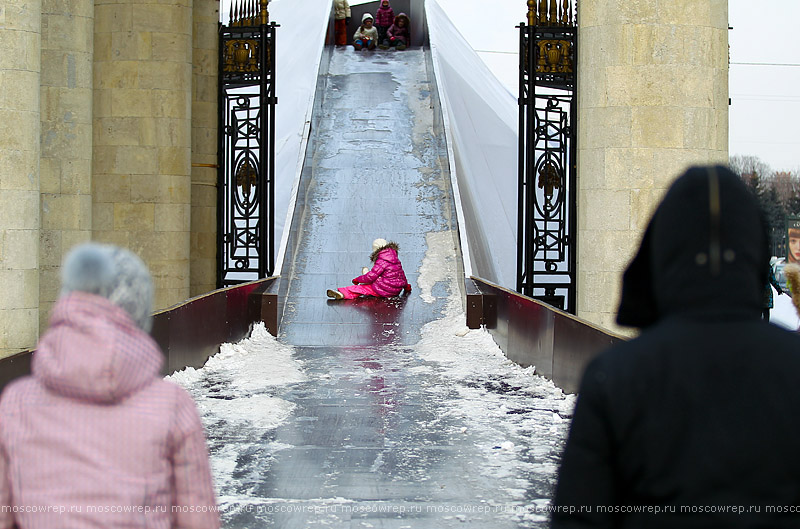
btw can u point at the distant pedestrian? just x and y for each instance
(693, 422)
(366, 36)
(386, 278)
(384, 18)
(96, 437)
(341, 17)
(769, 302)
(399, 34)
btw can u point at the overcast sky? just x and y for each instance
(764, 81)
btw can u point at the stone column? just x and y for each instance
(653, 99)
(142, 135)
(20, 40)
(66, 138)
(204, 146)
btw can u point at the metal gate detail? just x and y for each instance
(547, 223)
(246, 186)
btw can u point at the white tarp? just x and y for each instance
(299, 43)
(482, 118)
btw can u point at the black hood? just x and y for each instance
(703, 253)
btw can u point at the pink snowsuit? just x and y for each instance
(95, 437)
(386, 279)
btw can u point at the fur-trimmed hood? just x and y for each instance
(374, 255)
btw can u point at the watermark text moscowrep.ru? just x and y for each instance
(402, 509)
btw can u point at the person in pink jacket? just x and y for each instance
(384, 17)
(95, 437)
(384, 280)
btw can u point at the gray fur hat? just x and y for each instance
(114, 273)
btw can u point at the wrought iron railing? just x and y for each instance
(246, 193)
(546, 253)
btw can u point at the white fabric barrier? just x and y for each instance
(299, 43)
(481, 118)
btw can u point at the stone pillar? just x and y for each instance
(653, 99)
(66, 139)
(142, 135)
(204, 146)
(20, 40)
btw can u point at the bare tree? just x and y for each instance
(748, 167)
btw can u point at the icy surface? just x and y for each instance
(502, 424)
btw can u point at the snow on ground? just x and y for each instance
(234, 392)
(518, 419)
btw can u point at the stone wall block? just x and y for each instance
(162, 247)
(174, 161)
(204, 219)
(171, 131)
(165, 76)
(172, 47)
(17, 252)
(21, 326)
(173, 217)
(103, 216)
(658, 127)
(144, 188)
(132, 103)
(134, 217)
(117, 130)
(135, 160)
(110, 17)
(122, 74)
(63, 212)
(111, 188)
(20, 210)
(685, 13)
(614, 216)
(629, 168)
(161, 18)
(173, 189)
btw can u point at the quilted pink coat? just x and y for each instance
(387, 276)
(96, 438)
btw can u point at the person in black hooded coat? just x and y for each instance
(693, 421)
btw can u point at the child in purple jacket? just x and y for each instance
(386, 279)
(399, 34)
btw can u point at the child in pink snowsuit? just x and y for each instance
(386, 279)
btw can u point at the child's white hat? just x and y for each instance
(377, 244)
(366, 16)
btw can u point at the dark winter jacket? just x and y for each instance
(772, 281)
(387, 276)
(384, 16)
(697, 416)
(400, 32)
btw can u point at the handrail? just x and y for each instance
(191, 331)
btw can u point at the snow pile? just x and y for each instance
(235, 395)
(520, 419)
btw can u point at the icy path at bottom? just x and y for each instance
(451, 406)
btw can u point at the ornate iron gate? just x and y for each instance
(246, 192)
(547, 154)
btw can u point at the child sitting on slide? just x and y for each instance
(385, 280)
